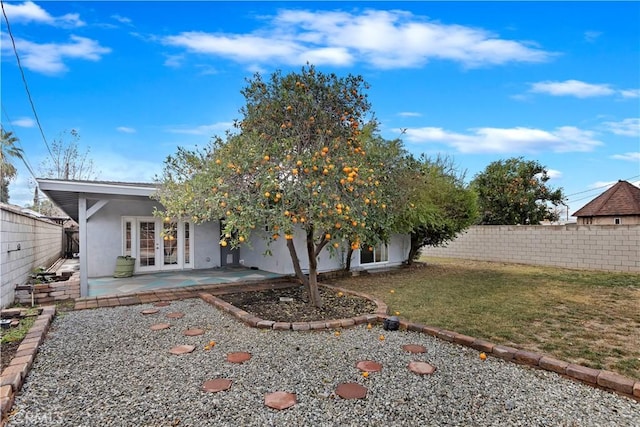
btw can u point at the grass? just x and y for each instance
(17, 333)
(586, 317)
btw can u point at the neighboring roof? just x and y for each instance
(621, 199)
(66, 193)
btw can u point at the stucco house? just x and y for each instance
(116, 219)
(619, 205)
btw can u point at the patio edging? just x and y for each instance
(14, 375)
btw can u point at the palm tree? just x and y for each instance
(8, 171)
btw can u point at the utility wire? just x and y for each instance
(598, 188)
(24, 79)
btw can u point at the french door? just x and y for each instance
(158, 244)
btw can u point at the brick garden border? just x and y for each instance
(13, 376)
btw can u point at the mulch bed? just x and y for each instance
(267, 305)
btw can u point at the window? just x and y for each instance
(374, 254)
(127, 238)
(617, 221)
(187, 242)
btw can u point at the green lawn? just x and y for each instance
(586, 317)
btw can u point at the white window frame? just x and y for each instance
(376, 248)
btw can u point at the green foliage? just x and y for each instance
(305, 156)
(514, 191)
(8, 171)
(438, 204)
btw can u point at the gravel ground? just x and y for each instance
(105, 367)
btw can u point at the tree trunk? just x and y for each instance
(414, 248)
(296, 263)
(312, 284)
(347, 264)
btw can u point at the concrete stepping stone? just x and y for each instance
(175, 315)
(160, 326)
(182, 349)
(214, 386)
(414, 348)
(421, 368)
(193, 332)
(238, 357)
(150, 311)
(369, 366)
(280, 400)
(351, 391)
(162, 304)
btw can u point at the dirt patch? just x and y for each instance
(275, 305)
(7, 351)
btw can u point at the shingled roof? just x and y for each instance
(621, 199)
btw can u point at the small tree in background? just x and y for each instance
(8, 171)
(515, 191)
(67, 161)
(303, 158)
(438, 204)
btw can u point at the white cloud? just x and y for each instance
(122, 19)
(554, 174)
(125, 129)
(48, 58)
(631, 157)
(30, 12)
(575, 88)
(627, 127)
(383, 39)
(507, 140)
(24, 122)
(591, 36)
(212, 129)
(630, 93)
(409, 114)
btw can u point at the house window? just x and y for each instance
(127, 238)
(187, 242)
(587, 220)
(617, 221)
(374, 254)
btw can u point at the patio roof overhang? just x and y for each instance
(66, 193)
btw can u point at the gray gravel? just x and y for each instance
(105, 367)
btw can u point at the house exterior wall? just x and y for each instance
(609, 220)
(593, 247)
(253, 255)
(104, 237)
(40, 246)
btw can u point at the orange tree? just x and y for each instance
(302, 159)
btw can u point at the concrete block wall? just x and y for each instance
(40, 243)
(592, 247)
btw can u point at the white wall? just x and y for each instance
(104, 237)
(280, 260)
(40, 246)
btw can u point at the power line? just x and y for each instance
(24, 79)
(601, 187)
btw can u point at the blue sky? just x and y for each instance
(556, 82)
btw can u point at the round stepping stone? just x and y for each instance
(175, 315)
(150, 311)
(162, 304)
(238, 357)
(182, 349)
(422, 368)
(351, 391)
(160, 326)
(369, 366)
(214, 386)
(193, 332)
(414, 348)
(280, 400)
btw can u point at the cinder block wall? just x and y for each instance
(40, 244)
(593, 247)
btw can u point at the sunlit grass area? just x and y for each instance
(586, 317)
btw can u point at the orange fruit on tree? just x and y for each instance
(223, 243)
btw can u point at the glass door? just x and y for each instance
(170, 250)
(147, 256)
